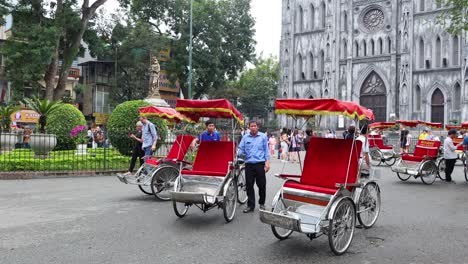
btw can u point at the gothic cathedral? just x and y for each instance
(391, 56)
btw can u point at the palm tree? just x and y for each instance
(5, 115)
(42, 107)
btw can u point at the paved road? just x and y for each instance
(100, 220)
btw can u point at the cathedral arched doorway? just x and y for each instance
(437, 106)
(374, 96)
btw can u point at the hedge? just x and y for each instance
(123, 119)
(61, 122)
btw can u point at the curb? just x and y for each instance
(27, 175)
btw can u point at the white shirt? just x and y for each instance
(449, 149)
(365, 144)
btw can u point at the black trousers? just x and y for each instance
(136, 154)
(255, 173)
(449, 165)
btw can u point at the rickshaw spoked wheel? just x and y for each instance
(241, 187)
(465, 169)
(368, 206)
(341, 227)
(375, 157)
(441, 169)
(280, 233)
(230, 202)
(180, 209)
(145, 189)
(163, 181)
(391, 161)
(403, 177)
(428, 172)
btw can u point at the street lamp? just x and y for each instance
(190, 52)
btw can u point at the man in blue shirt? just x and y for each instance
(209, 135)
(254, 146)
(149, 137)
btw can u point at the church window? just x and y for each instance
(389, 45)
(300, 21)
(422, 5)
(457, 97)
(311, 66)
(356, 49)
(323, 14)
(345, 49)
(312, 17)
(372, 47)
(379, 46)
(421, 53)
(417, 98)
(438, 55)
(322, 63)
(456, 51)
(364, 48)
(345, 21)
(328, 51)
(300, 72)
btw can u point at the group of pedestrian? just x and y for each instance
(96, 137)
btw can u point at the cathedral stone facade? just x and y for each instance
(392, 56)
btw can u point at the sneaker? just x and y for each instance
(248, 210)
(262, 207)
(451, 182)
(127, 173)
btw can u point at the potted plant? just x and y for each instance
(79, 133)
(42, 143)
(7, 139)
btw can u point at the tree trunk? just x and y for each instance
(71, 51)
(52, 68)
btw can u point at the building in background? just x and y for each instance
(391, 56)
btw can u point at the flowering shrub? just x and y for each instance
(80, 134)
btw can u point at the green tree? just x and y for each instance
(45, 33)
(255, 87)
(43, 107)
(222, 38)
(456, 17)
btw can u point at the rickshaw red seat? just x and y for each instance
(180, 147)
(377, 141)
(212, 159)
(425, 149)
(311, 188)
(153, 162)
(326, 164)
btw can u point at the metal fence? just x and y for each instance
(20, 159)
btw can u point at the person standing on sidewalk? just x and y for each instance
(450, 155)
(137, 152)
(257, 162)
(149, 137)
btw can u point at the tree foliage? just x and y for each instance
(46, 39)
(254, 89)
(222, 38)
(456, 17)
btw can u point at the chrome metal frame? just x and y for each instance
(412, 168)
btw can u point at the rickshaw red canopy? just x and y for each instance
(382, 125)
(310, 107)
(409, 123)
(166, 113)
(218, 108)
(431, 125)
(447, 127)
(464, 125)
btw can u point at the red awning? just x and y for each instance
(166, 113)
(464, 125)
(218, 108)
(310, 107)
(431, 125)
(447, 127)
(382, 125)
(409, 123)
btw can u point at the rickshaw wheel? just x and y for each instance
(341, 227)
(403, 177)
(368, 207)
(280, 233)
(375, 157)
(441, 169)
(180, 209)
(390, 162)
(230, 202)
(163, 181)
(241, 187)
(146, 189)
(428, 172)
(465, 169)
